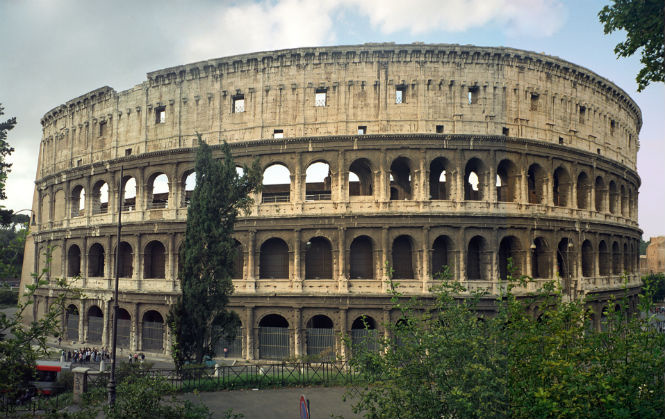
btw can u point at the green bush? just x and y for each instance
(8, 297)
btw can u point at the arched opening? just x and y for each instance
(73, 261)
(189, 182)
(72, 323)
(400, 179)
(317, 182)
(318, 259)
(360, 178)
(624, 201)
(600, 194)
(77, 201)
(438, 179)
(402, 253)
(616, 259)
(129, 194)
(152, 331)
(540, 259)
(124, 328)
(506, 181)
(631, 202)
(45, 209)
(440, 259)
(100, 198)
(364, 335)
(274, 337)
(154, 265)
(96, 261)
(238, 261)
(614, 197)
(563, 258)
(276, 184)
(510, 248)
(536, 184)
(587, 259)
(125, 261)
(361, 258)
(474, 180)
(583, 191)
(321, 337)
(230, 343)
(561, 187)
(603, 258)
(274, 259)
(475, 268)
(159, 191)
(95, 324)
(626, 258)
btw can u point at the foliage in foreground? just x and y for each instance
(199, 319)
(538, 357)
(655, 283)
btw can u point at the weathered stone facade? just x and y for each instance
(656, 255)
(436, 155)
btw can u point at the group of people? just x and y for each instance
(87, 355)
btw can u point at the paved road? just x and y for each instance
(325, 402)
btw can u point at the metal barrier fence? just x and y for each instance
(367, 339)
(72, 327)
(95, 329)
(274, 342)
(33, 405)
(321, 342)
(153, 335)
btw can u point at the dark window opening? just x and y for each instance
(125, 262)
(439, 129)
(154, 260)
(587, 259)
(536, 184)
(360, 178)
(540, 259)
(474, 268)
(561, 140)
(128, 152)
(603, 259)
(73, 261)
(400, 94)
(362, 129)
(278, 133)
(583, 191)
(102, 128)
(160, 114)
(318, 259)
(510, 249)
(238, 261)
(402, 262)
(400, 179)
(560, 187)
(100, 198)
(438, 181)
(534, 101)
(96, 261)
(582, 114)
(153, 331)
(274, 259)
(506, 181)
(612, 126)
(473, 185)
(616, 259)
(473, 95)
(505, 131)
(614, 197)
(440, 250)
(95, 325)
(361, 258)
(600, 194)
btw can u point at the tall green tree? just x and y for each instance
(644, 23)
(5, 151)
(199, 318)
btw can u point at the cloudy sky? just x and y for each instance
(55, 50)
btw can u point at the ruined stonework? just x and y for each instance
(435, 155)
(656, 255)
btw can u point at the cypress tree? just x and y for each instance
(199, 318)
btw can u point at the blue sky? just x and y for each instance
(54, 50)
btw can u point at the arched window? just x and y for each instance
(159, 191)
(153, 331)
(276, 184)
(624, 201)
(189, 182)
(540, 259)
(95, 324)
(100, 198)
(438, 179)
(73, 261)
(561, 187)
(364, 334)
(616, 259)
(587, 259)
(317, 182)
(536, 184)
(474, 259)
(614, 197)
(474, 180)
(506, 188)
(626, 258)
(583, 191)
(274, 259)
(274, 337)
(154, 259)
(238, 261)
(400, 179)
(125, 262)
(510, 248)
(129, 194)
(124, 328)
(96, 261)
(600, 194)
(564, 258)
(361, 258)
(321, 337)
(360, 178)
(72, 323)
(318, 259)
(402, 258)
(78, 201)
(603, 258)
(440, 249)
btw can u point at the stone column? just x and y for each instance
(491, 184)
(298, 342)
(170, 272)
(297, 182)
(249, 330)
(340, 188)
(296, 276)
(109, 268)
(136, 344)
(82, 316)
(138, 258)
(384, 179)
(461, 262)
(426, 274)
(385, 257)
(84, 262)
(524, 186)
(343, 332)
(251, 280)
(106, 330)
(342, 279)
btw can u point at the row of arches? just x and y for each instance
(537, 258)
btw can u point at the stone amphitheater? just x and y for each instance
(378, 155)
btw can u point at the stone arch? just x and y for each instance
(318, 259)
(45, 208)
(238, 261)
(583, 191)
(541, 266)
(476, 260)
(318, 181)
(95, 324)
(400, 179)
(587, 259)
(72, 323)
(507, 181)
(276, 184)
(441, 249)
(364, 334)
(614, 197)
(564, 260)
(152, 331)
(604, 266)
(126, 260)
(100, 197)
(321, 337)
(274, 259)
(561, 187)
(361, 258)
(77, 201)
(154, 260)
(59, 205)
(274, 339)
(124, 328)
(158, 191)
(96, 260)
(129, 193)
(402, 258)
(510, 247)
(616, 259)
(626, 258)
(439, 179)
(624, 201)
(188, 184)
(474, 182)
(360, 178)
(601, 192)
(536, 181)
(73, 261)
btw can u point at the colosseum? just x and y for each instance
(409, 156)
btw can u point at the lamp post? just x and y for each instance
(114, 341)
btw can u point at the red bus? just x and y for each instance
(48, 373)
